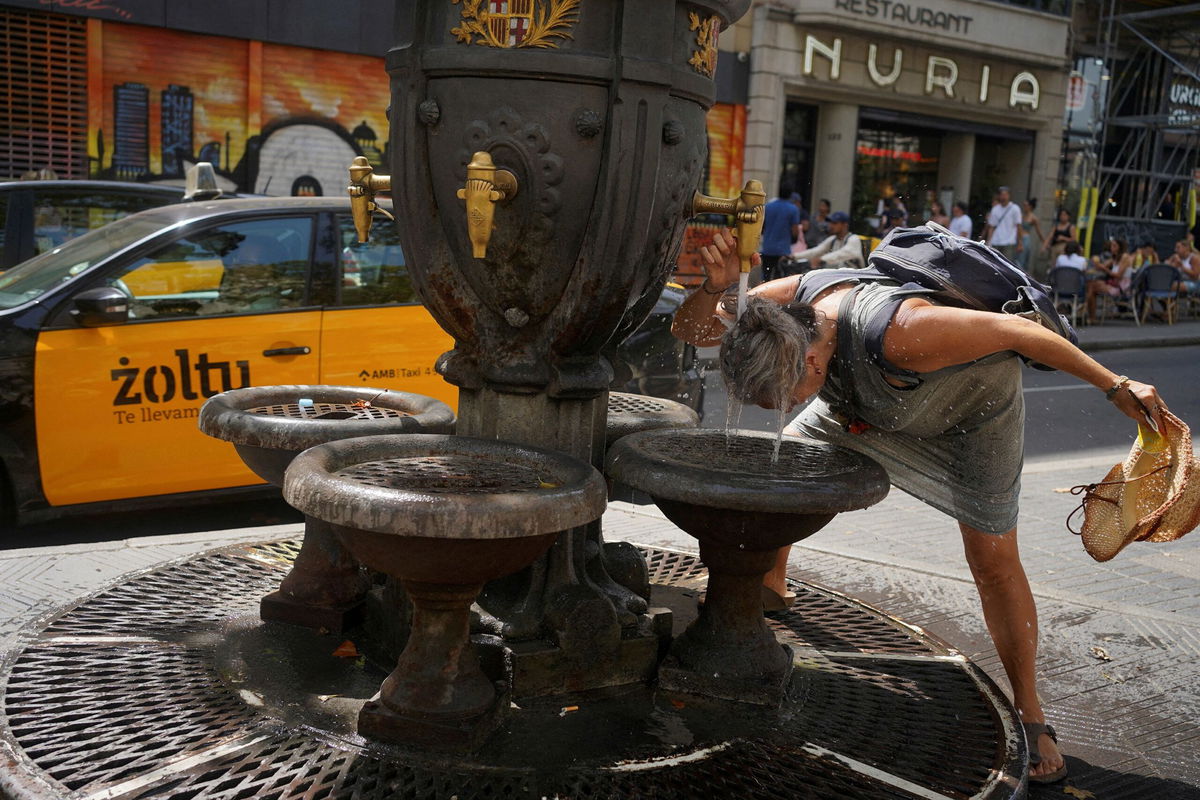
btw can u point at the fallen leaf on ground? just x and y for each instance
(346, 650)
(678, 703)
(1081, 794)
(1100, 653)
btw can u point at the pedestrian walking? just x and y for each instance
(781, 227)
(1030, 227)
(960, 221)
(1063, 231)
(1003, 223)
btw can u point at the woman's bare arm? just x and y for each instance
(698, 320)
(925, 338)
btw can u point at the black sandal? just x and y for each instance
(1033, 731)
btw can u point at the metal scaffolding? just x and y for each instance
(1149, 142)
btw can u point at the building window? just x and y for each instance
(896, 168)
(799, 135)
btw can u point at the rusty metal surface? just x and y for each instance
(131, 694)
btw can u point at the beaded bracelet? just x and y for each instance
(1111, 392)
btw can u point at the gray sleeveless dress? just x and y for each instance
(953, 438)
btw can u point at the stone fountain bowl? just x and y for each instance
(728, 487)
(269, 428)
(444, 509)
(632, 413)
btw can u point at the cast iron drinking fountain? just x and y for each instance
(269, 426)
(551, 151)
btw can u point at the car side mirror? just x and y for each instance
(104, 305)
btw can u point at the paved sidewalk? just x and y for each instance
(1120, 640)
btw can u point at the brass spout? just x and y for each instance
(486, 186)
(364, 183)
(746, 208)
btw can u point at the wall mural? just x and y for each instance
(273, 119)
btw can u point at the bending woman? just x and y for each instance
(932, 393)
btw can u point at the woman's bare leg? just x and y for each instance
(1011, 617)
(776, 579)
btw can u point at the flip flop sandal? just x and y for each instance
(1034, 730)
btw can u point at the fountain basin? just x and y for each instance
(326, 586)
(442, 515)
(630, 413)
(727, 491)
(269, 428)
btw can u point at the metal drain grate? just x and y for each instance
(342, 410)
(457, 474)
(187, 597)
(122, 697)
(755, 455)
(623, 403)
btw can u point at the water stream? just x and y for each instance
(743, 289)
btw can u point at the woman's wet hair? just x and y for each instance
(762, 355)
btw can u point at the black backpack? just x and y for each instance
(966, 274)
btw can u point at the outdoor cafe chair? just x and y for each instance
(1156, 282)
(1068, 285)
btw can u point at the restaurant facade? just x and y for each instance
(857, 101)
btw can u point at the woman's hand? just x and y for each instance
(1137, 400)
(721, 263)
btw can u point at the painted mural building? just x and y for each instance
(121, 90)
(861, 100)
(280, 95)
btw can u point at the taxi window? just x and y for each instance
(62, 214)
(240, 268)
(373, 273)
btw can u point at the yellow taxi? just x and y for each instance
(111, 342)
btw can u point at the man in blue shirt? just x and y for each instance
(781, 227)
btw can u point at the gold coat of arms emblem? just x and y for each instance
(704, 60)
(516, 23)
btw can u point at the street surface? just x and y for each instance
(1065, 418)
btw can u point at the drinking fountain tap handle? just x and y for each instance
(486, 186)
(364, 183)
(746, 208)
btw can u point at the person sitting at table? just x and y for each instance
(1115, 266)
(1187, 261)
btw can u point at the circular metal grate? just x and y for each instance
(624, 403)
(457, 474)
(756, 455)
(333, 410)
(131, 694)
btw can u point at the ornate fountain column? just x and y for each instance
(549, 157)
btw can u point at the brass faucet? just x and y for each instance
(747, 208)
(486, 186)
(364, 183)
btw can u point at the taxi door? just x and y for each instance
(217, 309)
(378, 334)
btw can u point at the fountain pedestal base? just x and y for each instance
(541, 668)
(335, 619)
(728, 651)
(325, 588)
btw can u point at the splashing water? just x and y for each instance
(783, 421)
(743, 290)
